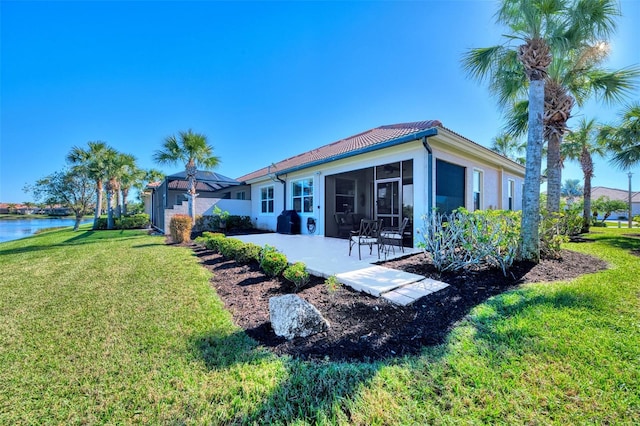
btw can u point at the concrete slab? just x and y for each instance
(411, 292)
(376, 280)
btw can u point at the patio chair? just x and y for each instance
(392, 237)
(366, 235)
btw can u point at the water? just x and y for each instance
(20, 228)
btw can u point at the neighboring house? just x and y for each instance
(390, 172)
(165, 198)
(617, 194)
(6, 208)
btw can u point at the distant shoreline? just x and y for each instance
(37, 216)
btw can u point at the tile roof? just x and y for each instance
(370, 138)
(205, 181)
(614, 194)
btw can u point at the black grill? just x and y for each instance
(288, 222)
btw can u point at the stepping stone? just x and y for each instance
(376, 280)
(408, 294)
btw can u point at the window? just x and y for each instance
(303, 196)
(266, 199)
(241, 195)
(511, 189)
(477, 190)
(449, 186)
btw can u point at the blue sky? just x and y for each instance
(263, 80)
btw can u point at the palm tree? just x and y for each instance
(508, 146)
(149, 176)
(574, 76)
(93, 160)
(534, 23)
(572, 188)
(624, 139)
(128, 176)
(193, 150)
(581, 145)
(115, 164)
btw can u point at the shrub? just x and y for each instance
(298, 275)
(228, 247)
(332, 284)
(180, 228)
(462, 240)
(248, 252)
(636, 219)
(552, 236)
(272, 262)
(135, 221)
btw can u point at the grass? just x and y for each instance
(116, 327)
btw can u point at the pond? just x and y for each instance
(13, 229)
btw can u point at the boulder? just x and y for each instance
(291, 316)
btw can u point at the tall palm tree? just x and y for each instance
(115, 165)
(582, 145)
(128, 176)
(509, 146)
(148, 176)
(93, 160)
(574, 76)
(535, 24)
(624, 138)
(192, 150)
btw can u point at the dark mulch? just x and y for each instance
(368, 328)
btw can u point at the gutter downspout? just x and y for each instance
(284, 186)
(426, 145)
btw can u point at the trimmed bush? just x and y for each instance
(180, 228)
(228, 247)
(247, 253)
(213, 242)
(298, 275)
(135, 221)
(272, 261)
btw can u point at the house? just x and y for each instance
(165, 198)
(387, 173)
(618, 194)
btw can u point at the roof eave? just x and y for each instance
(387, 144)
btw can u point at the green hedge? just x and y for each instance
(136, 221)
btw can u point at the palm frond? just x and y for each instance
(480, 63)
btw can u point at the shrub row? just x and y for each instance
(136, 221)
(273, 263)
(212, 223)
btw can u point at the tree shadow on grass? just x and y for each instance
(83, 238)
(311, 392)
(620, 241)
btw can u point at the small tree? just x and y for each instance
(73, 189)
(607, 206)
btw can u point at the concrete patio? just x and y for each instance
(325, 256)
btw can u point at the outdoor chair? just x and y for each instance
(392, 237)
(366, 235)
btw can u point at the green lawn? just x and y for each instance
(115, 327)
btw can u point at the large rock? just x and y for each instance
(292, 316)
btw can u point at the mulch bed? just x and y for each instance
(365, 328)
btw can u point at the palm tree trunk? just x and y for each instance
(98, 203)
(586, 162)
(109, 206)
(530, 233)
(125, 194)
(554, 173)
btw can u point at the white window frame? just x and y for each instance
(480, 192)
(302, 197)
(263, 190)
